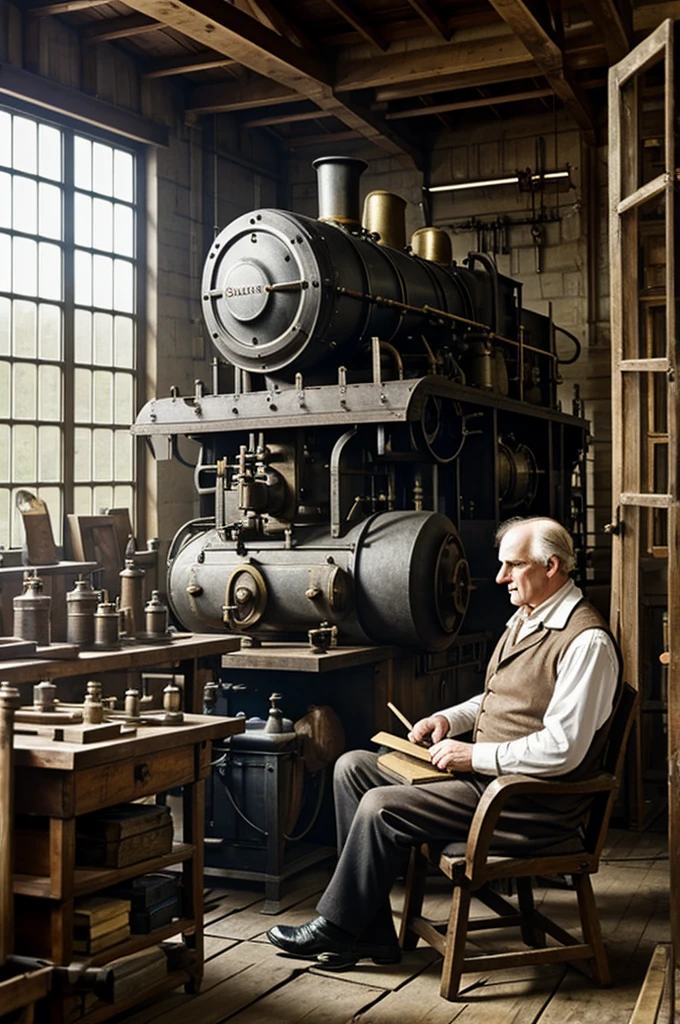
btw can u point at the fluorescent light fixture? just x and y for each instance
(514, 180)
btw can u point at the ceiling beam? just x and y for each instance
(433, 63)
(246, 94)
(204, 61)
(120, 28)
(464, 80)
(613, 20)
(431, 17)
(282, 24)
(485, 101)
(528, 23)
(65, 7)
(320, 140)
(267, 122)
(224, 28)
(359, 23)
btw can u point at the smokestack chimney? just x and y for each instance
(338, 188)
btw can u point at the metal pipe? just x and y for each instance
(338, 189)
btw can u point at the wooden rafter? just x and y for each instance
(528, 22)
(614, 21)
(65, 7)
(249, 94)
(463, 80)
(224, 28)
(291, 118)
(434, 62)
(359, 23)
(320, 140)
(204, 61)
(282, 24)
(431, 17)
(120, 28)
(484, 101)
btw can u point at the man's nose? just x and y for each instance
(503, 575)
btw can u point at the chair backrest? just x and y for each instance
(617, 738)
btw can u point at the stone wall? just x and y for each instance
(496, 149)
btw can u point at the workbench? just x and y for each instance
(58, 781)
(184, 652)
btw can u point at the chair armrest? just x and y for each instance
(503, 789)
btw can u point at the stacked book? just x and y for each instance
(154, 901)
(122, 835)
(100, 922)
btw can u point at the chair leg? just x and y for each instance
(592, 933)
(532, 934)
(413, 897)
(456, 934)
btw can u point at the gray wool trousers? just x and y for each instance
(378, 821)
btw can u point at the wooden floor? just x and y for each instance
(248, 982)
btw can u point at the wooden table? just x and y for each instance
(59, 781)
(183, 652)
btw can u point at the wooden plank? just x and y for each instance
(643, 194)
(646, 500)
(204, 61)
(65, 7)
(391, 976)
(312, 998)
(249, 94)
(249, 972)
(486, 998)
(431, 63)
(644, 365)
(282, 23)
(454, 80)
(297, 906)
(484, 101)
(301, 658)
(120, 28)
(50, 95)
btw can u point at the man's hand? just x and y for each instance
(435, 727)
(452, 755)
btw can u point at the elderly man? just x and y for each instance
(549, 693)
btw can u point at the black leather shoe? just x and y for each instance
(310, 939)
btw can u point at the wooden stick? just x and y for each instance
(402, 718)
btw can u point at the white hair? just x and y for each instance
(548, 539)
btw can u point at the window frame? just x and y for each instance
(72, 127)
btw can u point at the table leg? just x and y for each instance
(194, 825)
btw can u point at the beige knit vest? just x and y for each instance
(520, 681)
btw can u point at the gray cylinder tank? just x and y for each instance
(395, 578)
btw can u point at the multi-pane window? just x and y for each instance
(68, 320)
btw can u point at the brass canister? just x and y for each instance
(432, 244)
(106, 625)
(155, 616)
(32, 613)
(384, 215)
(81, 605)
(132, 597)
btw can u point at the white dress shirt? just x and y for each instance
(587, 674)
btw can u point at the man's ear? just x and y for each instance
(552, 566)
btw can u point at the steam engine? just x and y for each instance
(386, 409)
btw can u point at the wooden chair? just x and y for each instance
(472, 871)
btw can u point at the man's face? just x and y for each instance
(529, 583)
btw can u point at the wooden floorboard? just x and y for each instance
(247, 981)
